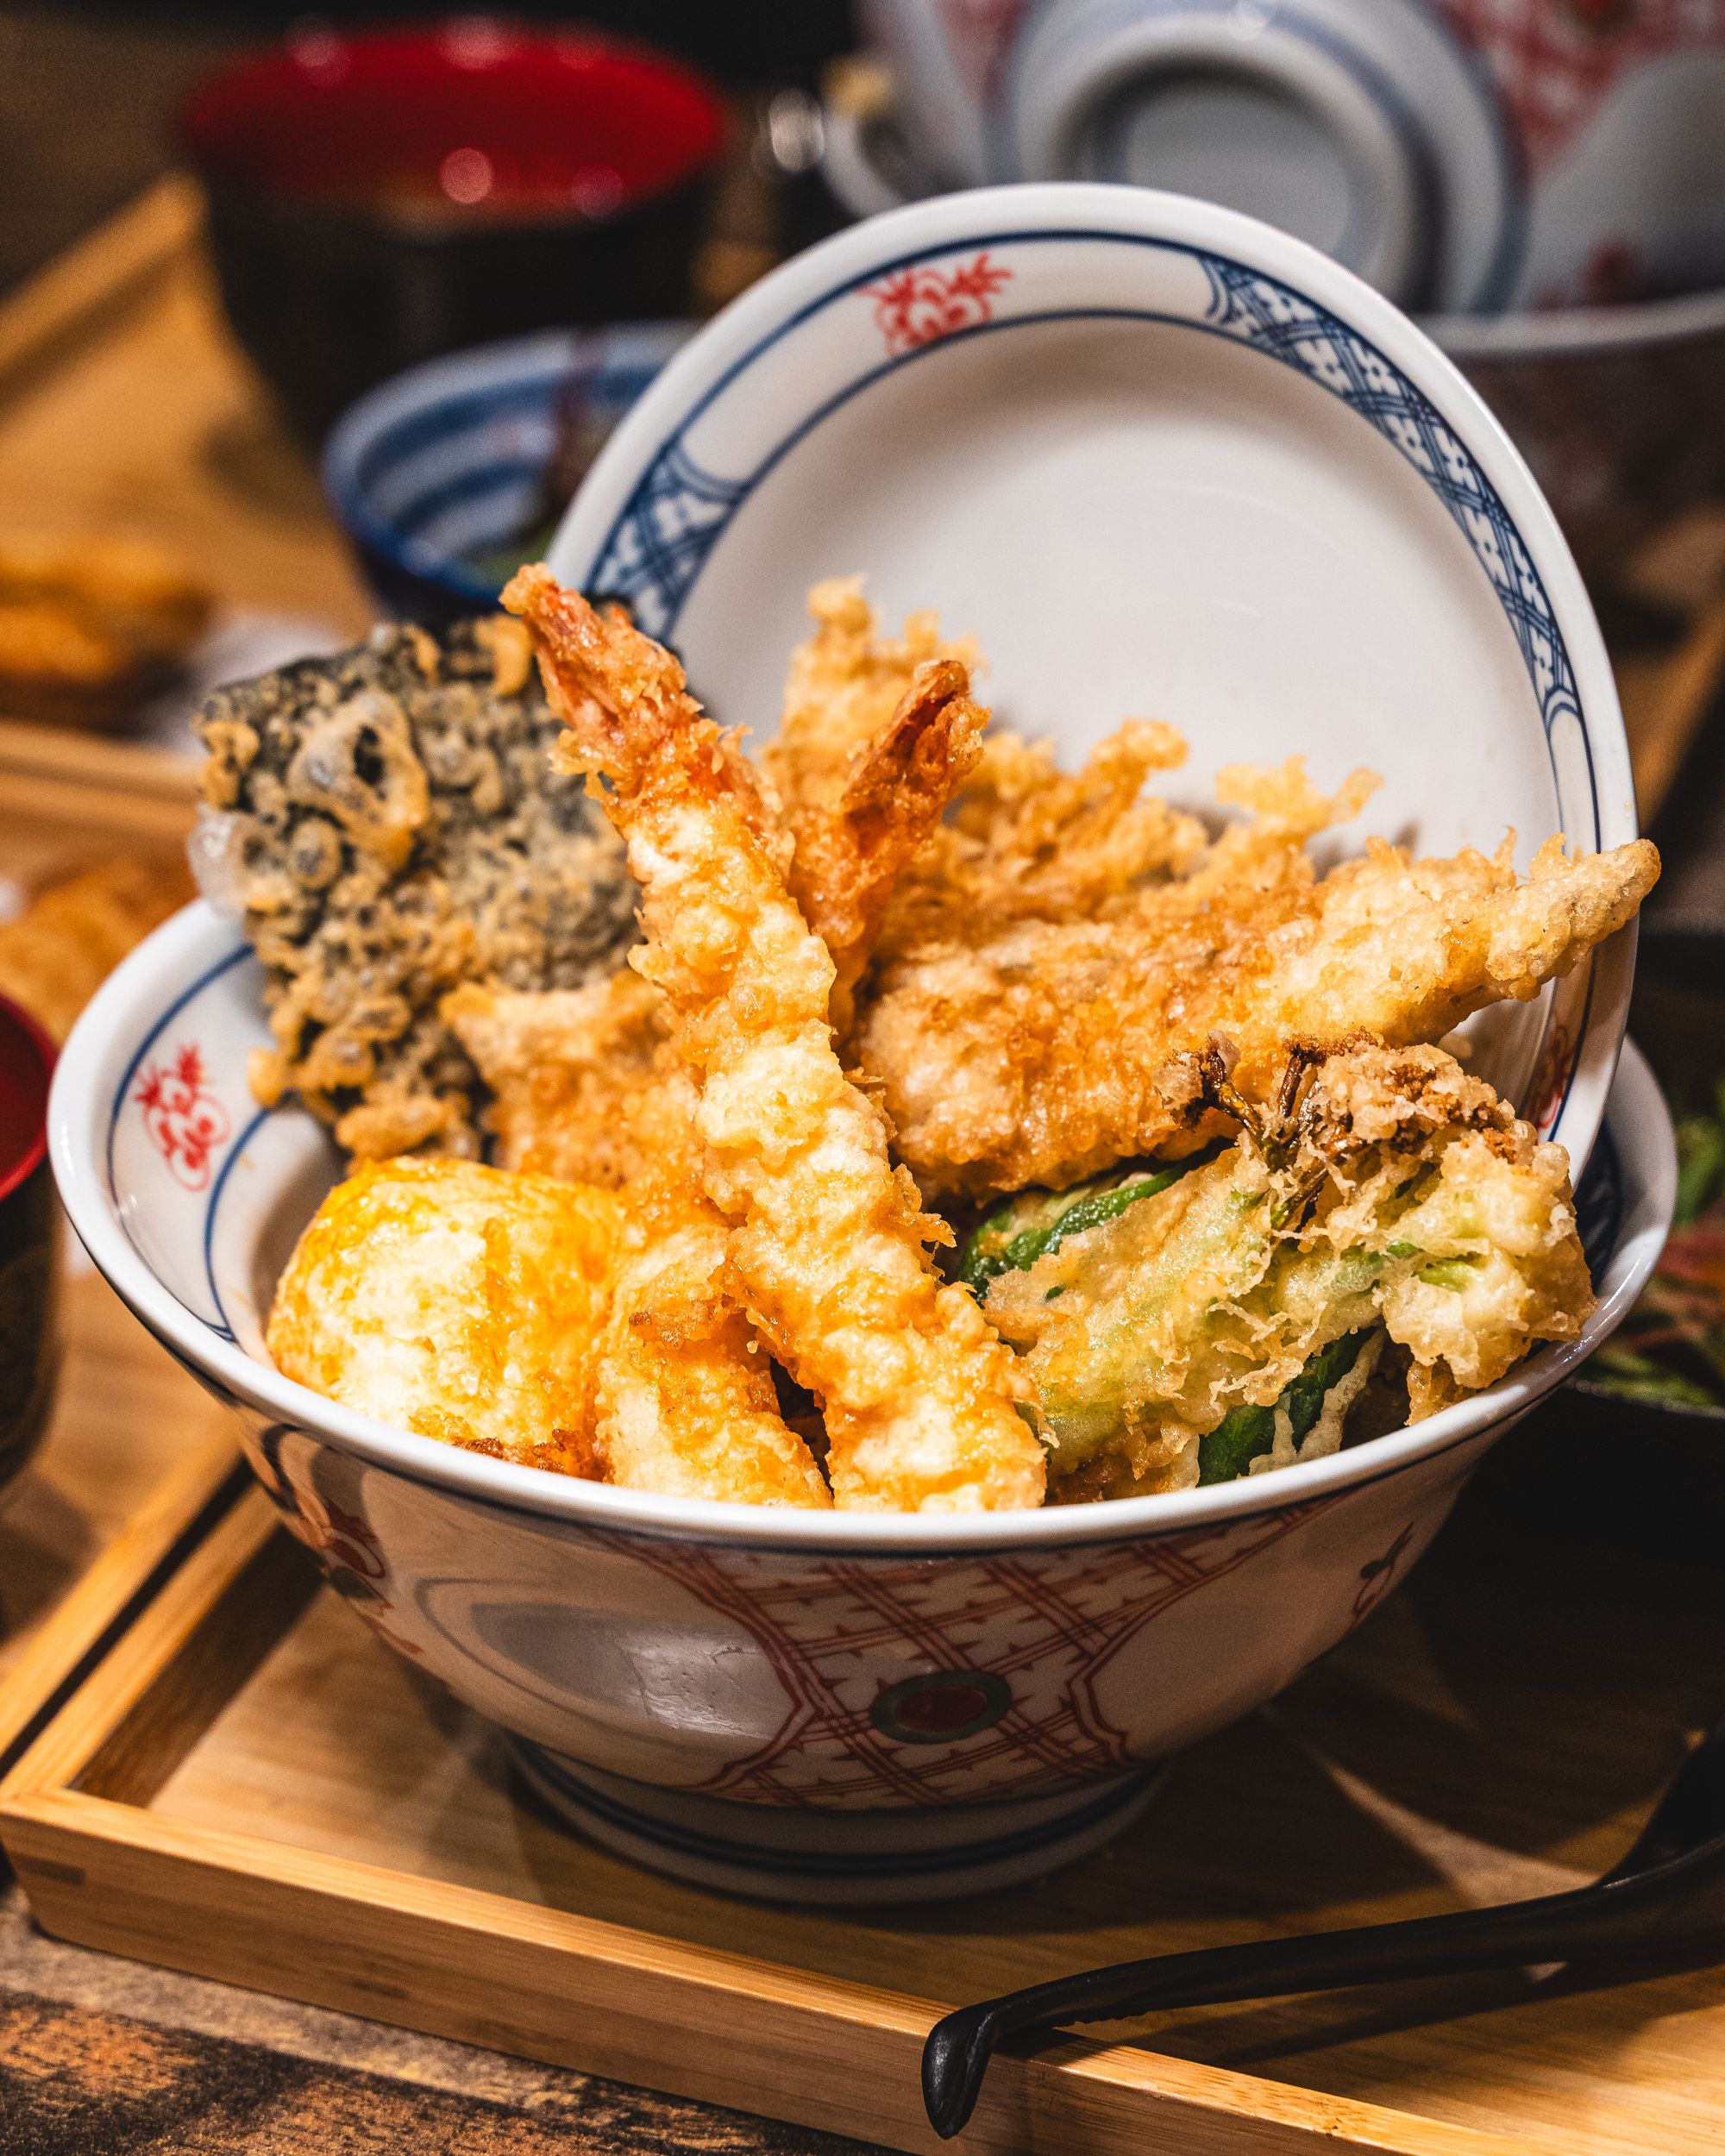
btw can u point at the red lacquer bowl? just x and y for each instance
(378, 200)
(29, 1239)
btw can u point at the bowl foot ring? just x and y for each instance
(780, 1853)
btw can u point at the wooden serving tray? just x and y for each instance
(252, 1787)
(136, 1457)
(248, 1785)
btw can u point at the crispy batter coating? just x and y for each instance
(1040, 977)
(877, 736)
(1051, 1050)
(1403, 1198)
(1500, 1263)
(563, 1066)
(828, 1241)
(1025, 841)
(684, 1401)
(457, 1301)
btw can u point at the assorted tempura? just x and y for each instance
(963, 1134)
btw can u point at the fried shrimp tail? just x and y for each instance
(877, 735)
(828, 1241)
(844, 683)
(1027, 842)
(850, 855)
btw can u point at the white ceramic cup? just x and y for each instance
(1464, 156)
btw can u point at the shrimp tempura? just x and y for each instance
(828, 1241)
(851, 850)
(683, 1401)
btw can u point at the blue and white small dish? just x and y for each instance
(442, 468)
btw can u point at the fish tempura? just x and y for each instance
(1050, 1051)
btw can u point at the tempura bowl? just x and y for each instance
(828, 1707)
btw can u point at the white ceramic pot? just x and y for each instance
(837, 1708)
(1464, 155)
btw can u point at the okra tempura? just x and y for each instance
(1227, 1206)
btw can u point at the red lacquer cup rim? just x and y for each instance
(325, 110)
(13, 1014)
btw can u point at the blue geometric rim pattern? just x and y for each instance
(1277, 322)
(654, 553)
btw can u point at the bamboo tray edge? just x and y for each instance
(113, 1590)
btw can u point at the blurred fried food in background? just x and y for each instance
(57, 952)
(90, 625)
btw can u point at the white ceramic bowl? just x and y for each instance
(830, 1706)
(1161, 459)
